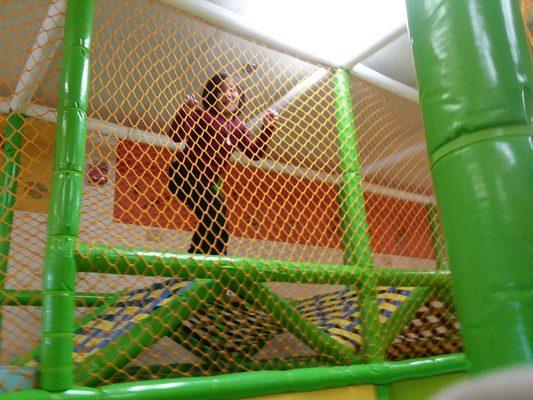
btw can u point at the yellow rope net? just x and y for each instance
(166, 177)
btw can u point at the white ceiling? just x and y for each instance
(395, 61)
(335, 29)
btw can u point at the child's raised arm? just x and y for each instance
(255, 148)
(184, 119)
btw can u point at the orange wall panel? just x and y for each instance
(271, 206)
(398, 227)
(265, 205)
(141, 194)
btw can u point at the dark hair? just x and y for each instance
(212, 90)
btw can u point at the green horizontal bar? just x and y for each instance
(261, 383)
(407, 277)
(122, 261)
(116, 260)
(34, 298)
(258, 383)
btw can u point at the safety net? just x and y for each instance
(242, 209)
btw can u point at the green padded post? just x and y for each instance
(475, 79)
(56, 366)
(355, 237)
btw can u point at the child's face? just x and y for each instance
(228, 100)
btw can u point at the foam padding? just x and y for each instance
(338, 313)
(128, 311)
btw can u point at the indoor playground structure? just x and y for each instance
(380, 248)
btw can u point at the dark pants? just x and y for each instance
(204, 199)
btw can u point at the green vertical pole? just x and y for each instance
(436, 237)
(65, 202)
(8, 185)
(475, 78)
(355, 237)
(382, 392)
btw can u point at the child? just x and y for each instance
(211, 133)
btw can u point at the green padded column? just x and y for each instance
(474, 74)
(56, 365)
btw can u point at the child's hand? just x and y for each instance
(270, 120)
(190, 102)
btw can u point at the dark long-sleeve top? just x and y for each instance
(210, 140)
